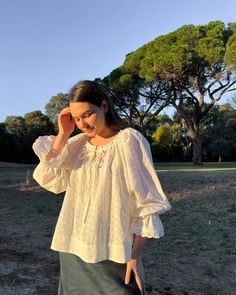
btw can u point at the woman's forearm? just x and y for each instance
(138, 245)
(57, 147)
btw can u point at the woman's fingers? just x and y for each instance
(139, 281)
(65, 121)
(132, 266)
(127, 275)
(65, 111)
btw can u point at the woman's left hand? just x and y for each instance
(132, 266)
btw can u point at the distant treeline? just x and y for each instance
(190, 69)
(167, 136)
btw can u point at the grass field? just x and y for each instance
(197, 255)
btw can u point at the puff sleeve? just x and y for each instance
(147, 196)
(52, 174)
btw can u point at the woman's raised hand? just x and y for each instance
(66, 123)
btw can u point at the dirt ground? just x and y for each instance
(197, 255)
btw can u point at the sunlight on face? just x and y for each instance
(88, 117)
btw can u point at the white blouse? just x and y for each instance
(112, 191)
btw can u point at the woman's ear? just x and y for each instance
(105, 106)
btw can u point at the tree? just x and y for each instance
(18, 134)
(163, 136)
(194, 63)
(137, 102)
(219, 136)
(168, 142)
(6, 144)
(55, 105)
(232, 101)
(15, 125)
(156, 122)
(37, 123)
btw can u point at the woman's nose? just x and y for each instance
(83, 123)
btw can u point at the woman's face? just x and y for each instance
(88, 117)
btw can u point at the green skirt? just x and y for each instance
(102, 278)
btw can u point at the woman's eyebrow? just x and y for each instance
(82, 114)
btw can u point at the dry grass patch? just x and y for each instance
(196, 256)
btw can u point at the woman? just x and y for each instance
(113, 196)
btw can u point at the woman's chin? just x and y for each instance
(90, 133)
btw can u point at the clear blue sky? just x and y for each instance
(48, 45)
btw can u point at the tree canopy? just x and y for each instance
(193, 63)
(190, 69)
(55, 105)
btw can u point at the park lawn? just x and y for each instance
(189, 166)
(197, 255)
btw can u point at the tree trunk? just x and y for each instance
(195, 136)
(220, 159)
(197, 149)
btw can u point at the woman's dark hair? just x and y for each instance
(92, 92)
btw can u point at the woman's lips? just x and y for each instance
(89, 130)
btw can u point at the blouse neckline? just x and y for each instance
(106, 145)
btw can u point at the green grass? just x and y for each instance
(189, 165)
(200, 239)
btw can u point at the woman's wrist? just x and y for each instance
(138, 245)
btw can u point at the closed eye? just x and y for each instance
(85, 116)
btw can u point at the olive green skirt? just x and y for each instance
(102, 278)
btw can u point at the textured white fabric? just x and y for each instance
(112, 191)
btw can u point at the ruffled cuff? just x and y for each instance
(149, 226)
(43, 145)
(149, 205)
